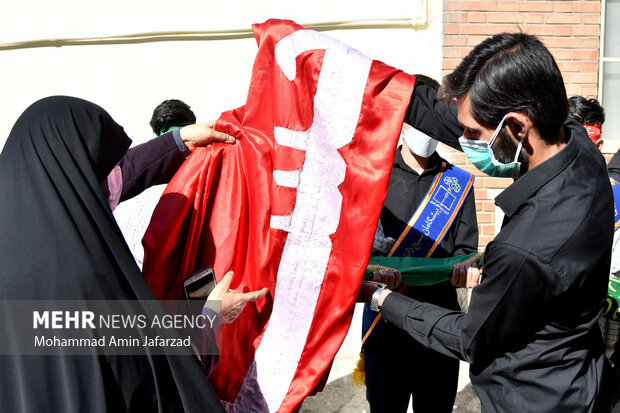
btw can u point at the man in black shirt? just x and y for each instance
(531, 333)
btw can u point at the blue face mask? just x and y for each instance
(481, 155)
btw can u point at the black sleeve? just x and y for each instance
(493, 322)
(148, 164)
(436, 118)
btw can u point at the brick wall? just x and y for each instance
(571, 31)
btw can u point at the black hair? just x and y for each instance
(512, 72)
(428, 81)
(586, 110)
(171, 112)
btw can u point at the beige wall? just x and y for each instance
(211, 74)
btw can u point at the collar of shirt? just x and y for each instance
(529, 183)
(435, 163)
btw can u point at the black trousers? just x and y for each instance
(397, 367)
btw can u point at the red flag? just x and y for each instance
(292, 206)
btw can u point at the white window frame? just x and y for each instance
(611, 146)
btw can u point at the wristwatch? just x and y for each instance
(374, 301)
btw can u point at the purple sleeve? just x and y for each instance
(151, 163)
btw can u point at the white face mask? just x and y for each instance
(419, 143)
(481, 155)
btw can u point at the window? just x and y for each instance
(609, 73)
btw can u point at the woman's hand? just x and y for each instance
(232, 301)
(203, 133)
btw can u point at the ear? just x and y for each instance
(599, 144)
(519, 124)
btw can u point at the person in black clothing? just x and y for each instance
(611, 328)
(590, 113)
(408, 369)
(531, 334)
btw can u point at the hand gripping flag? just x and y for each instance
(292, 206)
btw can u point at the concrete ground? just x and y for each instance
(340, 396)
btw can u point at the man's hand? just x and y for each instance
(466, 276)
(367, 289)
(233, 302)
(390, 276)
(202, 134)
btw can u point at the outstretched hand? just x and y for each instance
(203, 133)
(233, 302)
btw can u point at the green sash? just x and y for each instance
(418, 271)
(612, 310)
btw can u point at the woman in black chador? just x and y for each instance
(59, 241)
